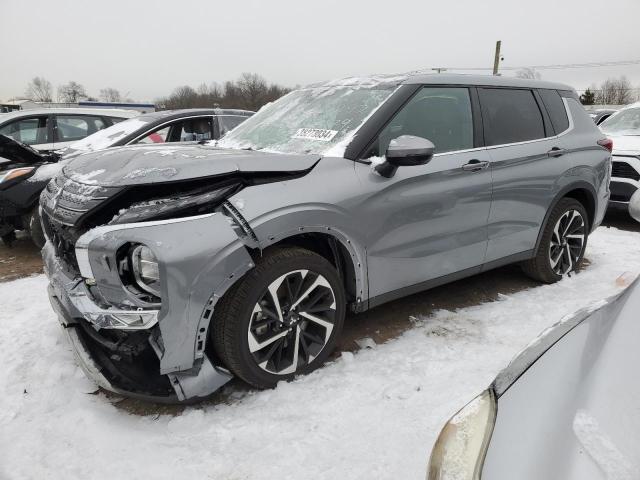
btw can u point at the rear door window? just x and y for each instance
(187, 130)
(31, 131)
(555, 108)
(510, 116)
(76, 127)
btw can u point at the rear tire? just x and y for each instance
(282, 319)
(563, 243)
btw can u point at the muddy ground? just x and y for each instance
(379, 324)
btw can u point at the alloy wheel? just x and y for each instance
(292, 322)
(567, 242)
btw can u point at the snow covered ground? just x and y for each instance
(372, 415)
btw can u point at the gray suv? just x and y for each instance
(175, 268)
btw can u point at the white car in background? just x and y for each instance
(623, 127)
(50, 129)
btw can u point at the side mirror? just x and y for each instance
(405, 151)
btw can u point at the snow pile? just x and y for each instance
(47, 171)
(108, 136)
(374, 414)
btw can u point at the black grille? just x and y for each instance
(66, 200)
(63, 239)
(624, 170)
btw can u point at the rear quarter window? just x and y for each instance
(510, 115)
(556, 110)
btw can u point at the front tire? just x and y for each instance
(282, 319)
(563, 243)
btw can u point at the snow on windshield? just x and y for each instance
(107, 137)
(624, 122)
(318, 119)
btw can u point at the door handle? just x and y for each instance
(474, 165)
(556, 152)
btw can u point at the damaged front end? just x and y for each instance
(127, 340)
(136, 270)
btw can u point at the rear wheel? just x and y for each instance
(563, 243)
(282, 319)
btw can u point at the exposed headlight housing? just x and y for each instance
(146, 271)
(459, 452)
(15, 173)
(190, 204)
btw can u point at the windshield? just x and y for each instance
(107, 137)
(625, 122)
(319, 120)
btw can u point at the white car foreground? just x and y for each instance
(373, 415)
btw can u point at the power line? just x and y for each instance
(552, 67)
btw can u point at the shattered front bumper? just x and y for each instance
(166, 361)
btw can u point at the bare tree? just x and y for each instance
(529, 73)
(39, 90)
(250, 91)
(615, 91)
(71, 92)
(110, 95)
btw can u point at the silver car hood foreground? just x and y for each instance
(569, 405)
(147, 164)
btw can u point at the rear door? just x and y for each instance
(427, 221)
(521, 145)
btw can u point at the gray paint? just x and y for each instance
(586, 372)
(424, 224)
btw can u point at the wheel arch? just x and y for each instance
(580, 191)
(338, 249)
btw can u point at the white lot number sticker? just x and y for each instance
(315, 134)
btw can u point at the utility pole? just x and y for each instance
(496, 58)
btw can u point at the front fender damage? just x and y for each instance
(199, 259)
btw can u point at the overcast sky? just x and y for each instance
(146, 48)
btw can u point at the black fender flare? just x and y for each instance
(580, 185)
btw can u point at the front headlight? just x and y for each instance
(15, 173)
(459, 452)
(146, 273)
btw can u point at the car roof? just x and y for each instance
(188, 112)
(483, 80)
(108, 112)
(373, 81)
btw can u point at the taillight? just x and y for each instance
(606, 143)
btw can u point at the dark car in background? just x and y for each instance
(601, 114)
(24, 172)
(188, 125)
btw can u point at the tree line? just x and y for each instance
(250, 91)
(613, 91)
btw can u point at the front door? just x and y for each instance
(428, 221)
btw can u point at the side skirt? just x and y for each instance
(452, 277)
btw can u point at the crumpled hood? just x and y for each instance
(626, 144)
(148, 164)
